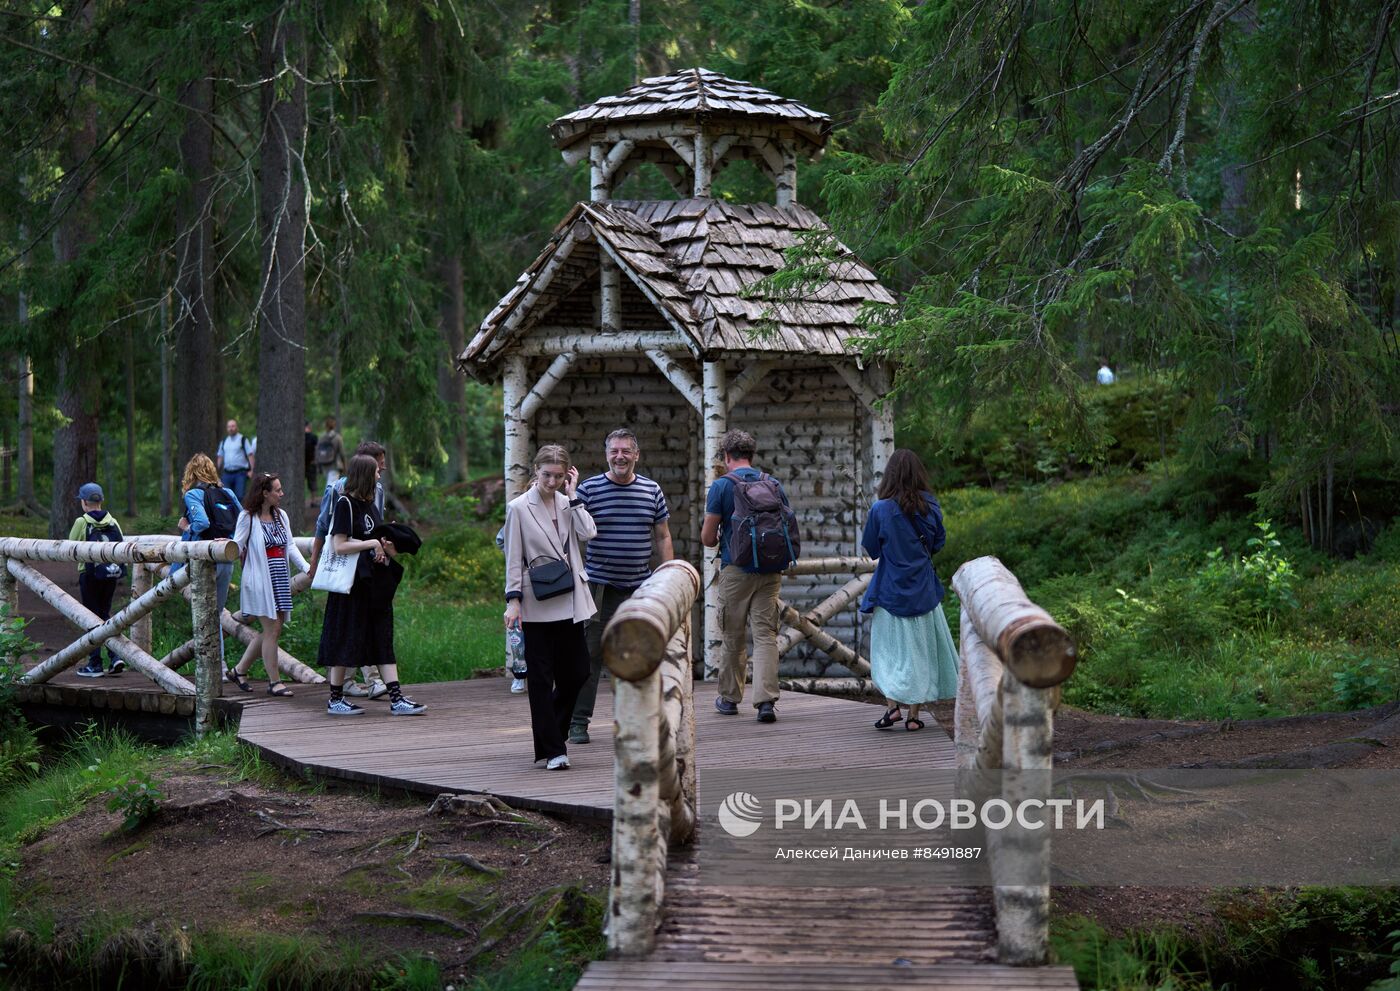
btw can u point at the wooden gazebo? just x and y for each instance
(636, 314)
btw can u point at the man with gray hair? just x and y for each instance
(631, 515)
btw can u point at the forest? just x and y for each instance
(281, 211)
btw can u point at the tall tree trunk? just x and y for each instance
(451, 386)
(24, 453)
(196, 403)
(166, 434)
(77, 374)
(282, 302)
(130, 425)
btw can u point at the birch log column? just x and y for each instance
(517, 428)
(714, 416)
(1013, 658)
(646, 647)
(208, 664)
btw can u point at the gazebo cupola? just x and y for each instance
(644, 314)
(690, 125)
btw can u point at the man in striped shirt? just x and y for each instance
(630, 513)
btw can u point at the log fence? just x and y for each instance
(1013, 657)
(127, 634)
(646, 647)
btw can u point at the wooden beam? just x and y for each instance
(787, 175)
(703, 164)
(536, 289)
(820, 639)
(746, 380)
(634, 642)
(517, 427)
(585, 343)
(638, 853)
(172, 549)
(831, 566)
(540, 391)
(81, 616)
(713, 417)
(1035, 648)
(685, 150)
(141, 629)
(645, 289)
(106, 629)
(678, 377)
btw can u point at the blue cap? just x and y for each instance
(91, 492)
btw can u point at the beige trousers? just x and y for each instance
(747, 600)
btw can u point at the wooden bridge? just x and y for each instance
(655, 740)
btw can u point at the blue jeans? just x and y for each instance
(236, 481)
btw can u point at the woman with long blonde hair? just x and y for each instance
(211, 512)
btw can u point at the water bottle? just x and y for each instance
(515, 643)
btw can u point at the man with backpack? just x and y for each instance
(235, 459)
(330, 453)
(748, 517)
(97, 583)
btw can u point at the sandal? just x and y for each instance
(239, 680)
(914, 725)
(280, 690)
(889, 719)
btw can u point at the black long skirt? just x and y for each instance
(359, 627)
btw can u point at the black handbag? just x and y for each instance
(551, 579)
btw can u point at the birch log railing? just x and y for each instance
(1013, 659)
(646, 647)
(201, 558)
(236, 625)
(808, 626)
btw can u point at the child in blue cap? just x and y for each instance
(97, 583)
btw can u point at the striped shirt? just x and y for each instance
(626, 516)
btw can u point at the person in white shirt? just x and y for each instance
(236, 459)
(1105, 374)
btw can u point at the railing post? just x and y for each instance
(9, 599)
(639, 850)
(140, 585)
(208, 674)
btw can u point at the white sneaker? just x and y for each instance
(355, 690)
(559, 763)
(377, 689)
(517, 686)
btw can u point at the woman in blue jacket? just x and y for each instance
(912, 657)
(211, 511)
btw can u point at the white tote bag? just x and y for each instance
(335, 572)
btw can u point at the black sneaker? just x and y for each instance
(725, 707)
(118, 665)
(340, 707)
(91, 670)
(766, 713)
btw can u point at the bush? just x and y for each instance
(462, 562)
(136, 798)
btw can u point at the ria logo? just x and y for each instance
(740, 814)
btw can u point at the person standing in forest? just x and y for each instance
(374, 686)
(330, 452)
(547, 597)
(211, 513)
(630, 513)
(97, 583)
(748, 589)
(913, 660)
(264, 536)
(235, 459)
(359, 624)
(309, 455)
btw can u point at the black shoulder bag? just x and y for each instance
(551, 579)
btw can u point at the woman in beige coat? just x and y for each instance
(549, 524)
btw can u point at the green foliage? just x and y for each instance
(461, 561)
(1181, 607)
(1326, 939)
(137, 798)
(1366, 681)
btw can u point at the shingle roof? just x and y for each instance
(692, 92)
(694, 259)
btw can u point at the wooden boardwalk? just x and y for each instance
(475, 737)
